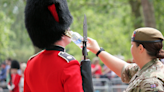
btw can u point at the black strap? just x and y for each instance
(101, 49)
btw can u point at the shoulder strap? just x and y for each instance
(66, 56)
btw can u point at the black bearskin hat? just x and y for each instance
(15, 64)
(46, 21)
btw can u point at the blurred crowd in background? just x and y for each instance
(12, 73)
(102, 71)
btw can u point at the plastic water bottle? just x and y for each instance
(77, 38)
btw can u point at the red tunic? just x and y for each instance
(53, 71)
(15, 81)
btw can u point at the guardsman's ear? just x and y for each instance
(62, 37)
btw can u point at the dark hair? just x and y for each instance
(153, 49)
(9, 59)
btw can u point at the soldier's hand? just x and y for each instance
(92, 45)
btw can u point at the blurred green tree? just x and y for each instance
(110, 22)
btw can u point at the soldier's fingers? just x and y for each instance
(90, 40)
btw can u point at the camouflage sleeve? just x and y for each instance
(151, 85)
(128, 71)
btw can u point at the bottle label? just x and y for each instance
(78, 41)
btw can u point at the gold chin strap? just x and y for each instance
(68, 33)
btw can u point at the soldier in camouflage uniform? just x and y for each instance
(147, 73)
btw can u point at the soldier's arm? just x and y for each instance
(109, 60)
(71, 77)
(128, 71)
(112, 62)
(26, 87)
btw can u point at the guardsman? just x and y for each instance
(14, 81)
(52, 69)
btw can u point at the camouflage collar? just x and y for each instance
(146, 66)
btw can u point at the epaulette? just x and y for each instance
(35, 55)
(66, 56)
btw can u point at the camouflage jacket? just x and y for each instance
(148, 79)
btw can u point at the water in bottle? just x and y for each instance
(77, 39)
